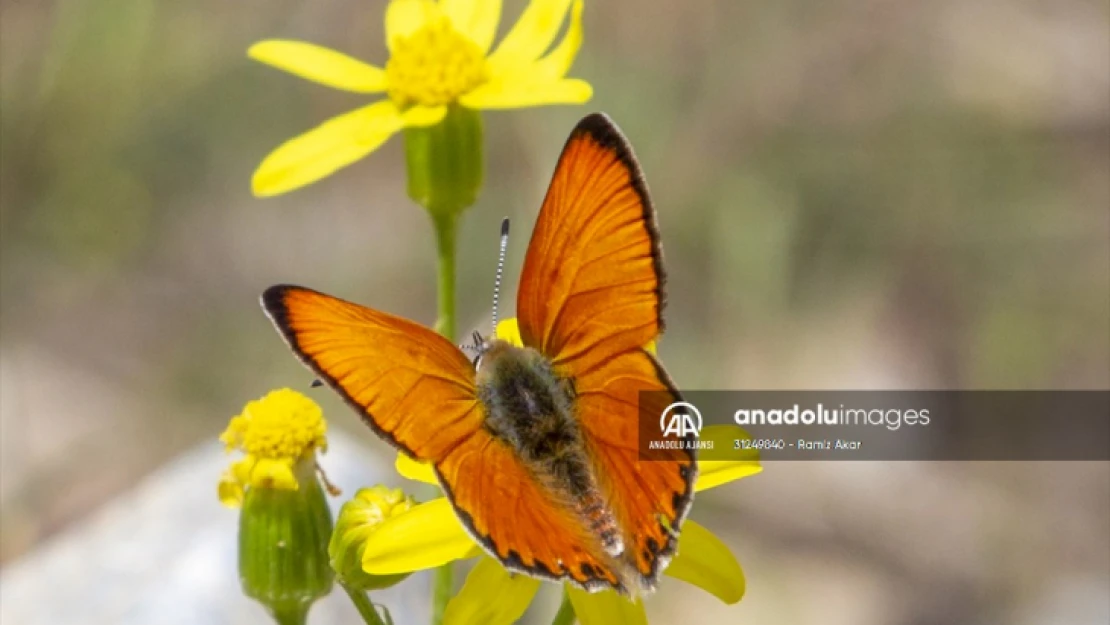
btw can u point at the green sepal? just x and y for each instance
(445, 162)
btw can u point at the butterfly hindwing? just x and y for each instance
(591, 296)
(518, 521)
(650, 498)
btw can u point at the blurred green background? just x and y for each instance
(852, 194)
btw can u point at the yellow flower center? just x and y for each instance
(282, 425)
(279, 434)
(434, 66)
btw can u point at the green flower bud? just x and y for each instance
(358, 518)
(445, 162)
(283, 542)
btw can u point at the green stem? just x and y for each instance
(446, 225)
(565, 615)
(441, 593)
(365, 608)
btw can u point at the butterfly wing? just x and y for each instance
(591, 296)
(413, 387)
(417, 391)
(649, 498)
(517, 520)
(592, 282)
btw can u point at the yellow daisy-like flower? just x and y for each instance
(429, 535)
(275, 432)
(439, 56)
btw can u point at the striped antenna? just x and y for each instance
(500, 269)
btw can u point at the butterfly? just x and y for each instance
(537, 447)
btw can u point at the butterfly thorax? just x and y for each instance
(531, 407)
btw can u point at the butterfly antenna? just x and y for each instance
(500, 268)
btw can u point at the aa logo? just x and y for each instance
(680, 419)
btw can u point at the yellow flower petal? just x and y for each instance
(273, 473)
(241, 469)
(531, 35)
(706, 562)
(509, 92)
(414, 470)
(332, 145)
(557, 62)
(713, 473)
(232, 437)
(491, 595)
(230, 490)
(405, 17)
(320, 64)
(420, 116)
(606, 608)
(509, 330)
(422, 537)
(477, 19)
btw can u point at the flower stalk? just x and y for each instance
(443, 586)
(364, 606)
(565, 615)
(446, 227)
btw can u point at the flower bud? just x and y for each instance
(358, 518)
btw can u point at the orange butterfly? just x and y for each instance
(537, 446)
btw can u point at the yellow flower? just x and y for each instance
(439, 56)
(285, 521)
(275, 432)
(429, 535)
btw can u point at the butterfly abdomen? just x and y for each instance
(601, 523)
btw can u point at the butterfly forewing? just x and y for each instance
(412, 386)
(592, 283)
